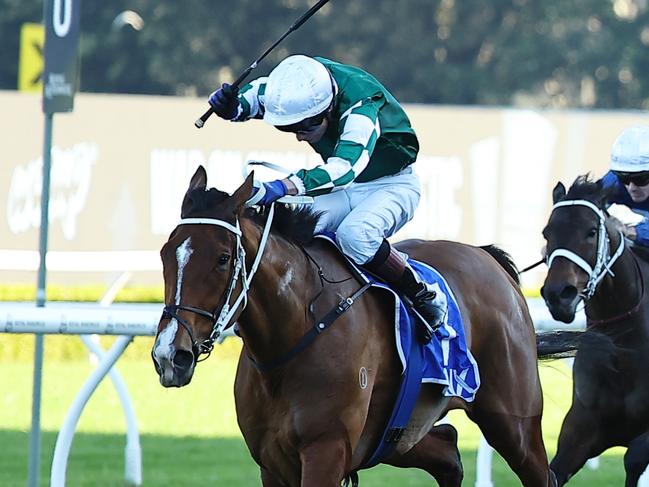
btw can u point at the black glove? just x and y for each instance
(225, 101)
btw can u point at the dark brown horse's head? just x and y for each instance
(578, 246)
(201, 267)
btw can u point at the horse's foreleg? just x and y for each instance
(437, 454)
(579, 440)
(325, 462)
(269, 480)
(636, 459)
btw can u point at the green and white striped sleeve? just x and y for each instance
(251, 100)
(360, 131)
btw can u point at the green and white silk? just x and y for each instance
(369, 135)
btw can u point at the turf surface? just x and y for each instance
(189, 436)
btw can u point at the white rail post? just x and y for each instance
(132, 450)
(64, 438)
(644, 479)
(483, 464)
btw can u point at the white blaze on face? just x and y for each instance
(182, 256)
(165, 339)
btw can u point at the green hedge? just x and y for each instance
(85, 293)
(93, 293)
(58, 348)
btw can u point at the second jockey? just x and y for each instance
(629, 179)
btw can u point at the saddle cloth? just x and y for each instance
(447, 359)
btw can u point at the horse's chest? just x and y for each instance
(614, 385)
(637, 398)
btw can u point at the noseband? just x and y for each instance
(604, 260)
(221, 321)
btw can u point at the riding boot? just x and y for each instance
(390, 265)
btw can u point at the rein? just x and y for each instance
(530, 267)
(629, 313)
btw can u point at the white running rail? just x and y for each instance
(142, 320)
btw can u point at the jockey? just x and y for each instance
(629, 179)
(365, 190)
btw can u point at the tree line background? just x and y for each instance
(550, 53)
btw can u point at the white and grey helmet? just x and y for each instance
(630, 152)
(298, 88)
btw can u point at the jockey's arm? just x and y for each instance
(251, 100)
(640, 233)
(358, 136)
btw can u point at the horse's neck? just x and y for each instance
(617, 294)
(275, 316)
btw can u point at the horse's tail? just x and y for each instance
(564, 343)
(505, 261)
(557, 344)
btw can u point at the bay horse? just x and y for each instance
(314, 417)
(590, 262)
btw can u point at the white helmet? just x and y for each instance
(298, 88)
(630, 152)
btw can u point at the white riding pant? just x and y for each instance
(363, 214)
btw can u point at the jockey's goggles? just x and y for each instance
(305, 126)
(637, 178)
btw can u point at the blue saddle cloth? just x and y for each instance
(447, 360)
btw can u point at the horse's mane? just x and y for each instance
(295, 225)
(585, 188)
(198, 201)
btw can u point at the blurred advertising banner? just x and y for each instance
(121, 165)
(61, 74)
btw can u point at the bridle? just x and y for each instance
(604, 260)
(223, 320)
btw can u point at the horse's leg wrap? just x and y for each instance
(390, 265)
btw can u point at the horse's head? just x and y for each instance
(578, 244)
(202, 262)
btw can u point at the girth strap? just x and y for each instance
(403, 406)
(313, 333)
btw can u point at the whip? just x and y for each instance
(296, 25)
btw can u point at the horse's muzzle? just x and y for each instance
(561, 299)
(177, 371)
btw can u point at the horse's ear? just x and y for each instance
(199, 182)
(558, 192)
(199, 179)
(243, 193)
(605, 192)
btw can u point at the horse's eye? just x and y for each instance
(592, 233)
(224, 259)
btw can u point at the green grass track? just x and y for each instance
(190, 437)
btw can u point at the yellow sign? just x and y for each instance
(30, 71)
